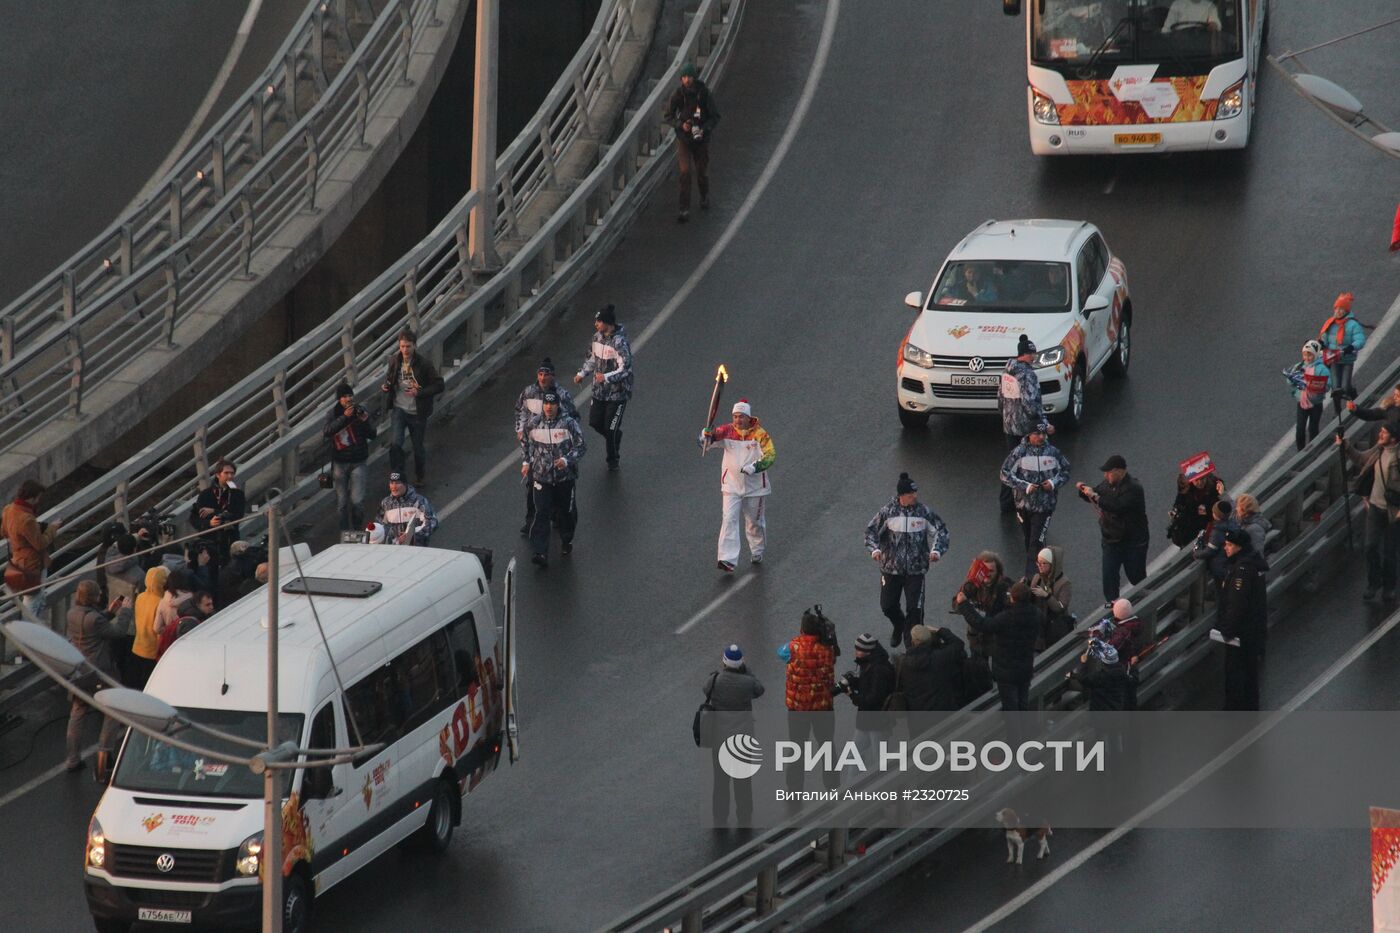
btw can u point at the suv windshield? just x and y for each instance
(1182, 37)
(151, 766)
(1003, 285)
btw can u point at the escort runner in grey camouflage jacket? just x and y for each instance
(1031, 465)
(905, 536)
(611, 356)
(1018, 396)
(545, 441)
(529, 404)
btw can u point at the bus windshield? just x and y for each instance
(1182, 37)
(150, 766)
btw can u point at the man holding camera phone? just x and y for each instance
(348, 430)
(218, 509)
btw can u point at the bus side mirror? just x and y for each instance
(1011, 7)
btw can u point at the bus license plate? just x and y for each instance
(982, 379)
(159, 915)
(1137, 139)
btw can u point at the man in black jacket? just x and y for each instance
(1013, 652)
(410, 383)
(930, 674)
(348, 430)
(1122, 508)
(869, 687)
(1103, 676)
(219, 506)
(692, 112)
(1242, 619)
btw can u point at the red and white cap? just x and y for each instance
(742, 407)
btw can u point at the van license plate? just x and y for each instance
(1137, 139)
(158, 915)
(981, 379)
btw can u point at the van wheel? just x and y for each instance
(111, 925)
(913, 419)
(1073, 416)
(1117, 365)
(296, 904)
(436, 834)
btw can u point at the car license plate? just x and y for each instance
(1137, 139)
(980, 379)
(159, 915)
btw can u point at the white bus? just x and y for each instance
(1132, 76)
(176, 838)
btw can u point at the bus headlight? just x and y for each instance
(96, 845)
(1044, 109)
(1050, 357)
(1231, 102)
(249, 856)
(920, 358)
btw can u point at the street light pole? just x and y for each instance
(272, 798)
(481, 225)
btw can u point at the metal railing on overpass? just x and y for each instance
(228, 198)
(270, 422)
(797, 875)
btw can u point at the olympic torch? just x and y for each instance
(721, 377)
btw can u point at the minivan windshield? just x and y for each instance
(150, 766)
(1015, 286)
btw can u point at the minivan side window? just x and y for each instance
(425, 680)
(461, 633)
(316, 782)
(376, 705)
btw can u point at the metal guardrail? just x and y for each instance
(270, 422)
(228, 199)
(795, 876)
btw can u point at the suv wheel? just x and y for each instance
(1117, 365)
(913, 419)
(1073, 416)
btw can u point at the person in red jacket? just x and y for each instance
(809, 688)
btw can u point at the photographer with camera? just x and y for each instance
(219, 507)
(348, 430)
(692, 113)
(869, 687)
(121, 575)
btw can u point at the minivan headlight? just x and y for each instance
(1050, 357)
(1044, 109)
(96, 845)
(249, 856)
(918, 357)
(1231, 102)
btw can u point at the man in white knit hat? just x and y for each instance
(743, 479)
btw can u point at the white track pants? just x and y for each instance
(755, 526)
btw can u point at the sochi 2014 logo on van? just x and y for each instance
(740, 756)
(959, 332)
(153, 822)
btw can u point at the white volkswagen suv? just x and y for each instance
(1053, 280)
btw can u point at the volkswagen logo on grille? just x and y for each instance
(165, 862)
(975, 364)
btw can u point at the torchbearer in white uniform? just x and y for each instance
(743, 479)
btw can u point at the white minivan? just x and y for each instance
(1056, 281)
(176, 837)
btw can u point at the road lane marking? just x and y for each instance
(799, 114)
(240, 39)
(1224, 758)
(715, 604)
(35, 781)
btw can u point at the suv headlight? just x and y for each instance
(249, 856)
(1044, 109)
(1231, 102)
(96, 845)
(920, 358)
(1050, 357)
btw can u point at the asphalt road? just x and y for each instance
(96, 98)
(914, 135)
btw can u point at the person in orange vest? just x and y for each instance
(30, 541)
(1342, 337)
(810, 685)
